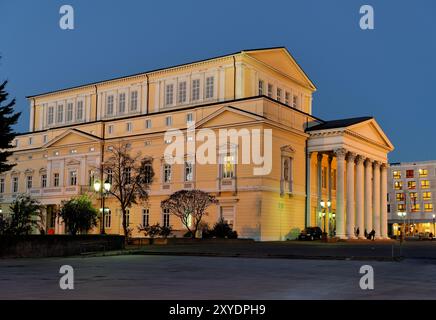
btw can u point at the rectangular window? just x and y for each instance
(110, 129)
(29, 180)
(209, 87)
(50, 116)
(400, 196)
(415, 207)
(122, 103)
(396, 174)
(426, 195)
(428, 207)
(228, 167)
(401, 207)
(398, 185)
(167, 173)
(295, 102)
(73, 178)
(107, 219)
(189, 117)
(133, 100)
(261, 87)
(15, 184)
(60, 114)
(189, 172)
(425, 184)
(182, 92)
(79, 111)
(30, 140)
(423, 173)
(129, 127)
(127, 175)
(109, 175)
(270, 90)
(169, 121)
(148, 124)
(2, 185)
(44, 139)
(195, 90)
(410, 174)
(110, 105)
(69, 112)
(169, 94)
(56, 180)
(279, 94)
(411, 184)
(166, 218)
(145, 217)
(287, 98)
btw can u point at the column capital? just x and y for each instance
(360, 159)
(351, 156)
(368, 162)
(376, 164)
(384, 165)
(340, 153)
(319, 156)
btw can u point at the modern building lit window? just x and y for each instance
(145, 217)
(189, 117)
(195, 90)
(400, 196)
(14, 184)
(270, 90)
(73, 178)
(60, 114)
(129, 127)
(133, 100)
(110, 105)
(410, 174)
(228, 167)
(279, 94)
(182, 92)
(261, 87)
(79, 111)
(401, 207)
(169, 94)
(69, 115)
(148, 124)
(29, 181)
(2, 185)
(415, 207)
(50, 115)
(396, 174)
(423, 173)
(122, 103)
(428, 207)
(166, 218)
(209, 87)
(425, 184)
(426, 195)
(56, 179)
(189, 172)
(167, 173)
(411, 184)
(398, 185)
(169, 121)
(287, 98)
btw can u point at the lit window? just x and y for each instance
(73, 178)
(50, 115)
(426, 195)
(428, 207)
(29, 180)
(60, 114)
(148, 124)
(279, 94)
(122, 103)
(56, 180)
(110, 105)
(167, 173)
(425, 184)
(228, 167)
(401, 207)
(398, 185)
(195, 89)
(400, 196)
(209, 87)
(396, 174)
(133, 100)
(182, 92)
(107, 219)
(261, 88)
(145, 217)
(415, 207)
(79, 111)
(411, 184)
(69, 112)
(188, 171)
(270, 90)
(410, 173)
(169, 93)
(166, 217)
(423, 173)
(168, 121)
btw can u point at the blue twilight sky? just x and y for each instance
(389, 72)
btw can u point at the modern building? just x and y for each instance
(338, 164)
(411, 199)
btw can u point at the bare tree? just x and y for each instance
(130, 177)
(189, 206)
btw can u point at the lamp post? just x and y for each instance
(324, 206)
(103, 190)
(402, 214)
(434, 231)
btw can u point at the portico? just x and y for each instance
(359, 149)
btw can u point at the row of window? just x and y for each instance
(179, 95)
(65, 113)
(280, 95)
(410, 174)
(416, 207)
(411, 185)
(123, 105)
(413, 196)
(145, 218)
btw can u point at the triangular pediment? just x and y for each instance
(281, 60)
(371, 130)
(226, 116)
(71, 137)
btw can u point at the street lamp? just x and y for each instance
(402, 214)
(434, 217)
(324, 206)
(103, 193)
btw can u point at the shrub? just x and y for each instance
(222, 229)
(79, 215)
(152, 231)
(25, 216)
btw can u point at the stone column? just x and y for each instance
(319, 189)
(308, 189)
(350, 195)
(368, 196)
(340, 193)
(383, 202)
(376, 198)
(360, 196)
(329, 198)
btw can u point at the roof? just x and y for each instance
(340, 123)
(159, 69)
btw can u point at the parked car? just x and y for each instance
(311, 233)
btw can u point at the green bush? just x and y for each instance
(79, 214)
(152, 231)
(221, 229)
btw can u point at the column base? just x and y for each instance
(362, 237)
(341, 236)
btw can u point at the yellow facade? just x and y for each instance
(71, 128)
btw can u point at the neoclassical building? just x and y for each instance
(313, 162)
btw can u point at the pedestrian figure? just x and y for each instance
(365, 234)
(357, 232)
(372, 235)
